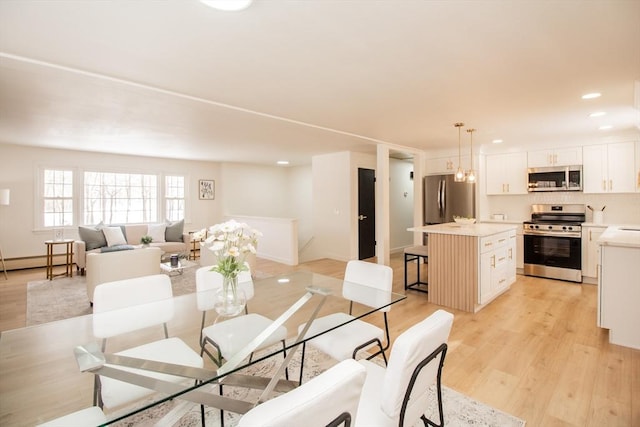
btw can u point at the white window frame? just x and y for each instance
(79, 200)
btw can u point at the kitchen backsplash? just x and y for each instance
(620, 208)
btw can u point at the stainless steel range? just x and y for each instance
(553, 242)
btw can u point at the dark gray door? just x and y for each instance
(366, 213)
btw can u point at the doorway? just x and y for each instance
(366, 213)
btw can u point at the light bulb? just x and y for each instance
(459, 177)
(471, 177)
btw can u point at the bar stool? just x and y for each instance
(415, 253)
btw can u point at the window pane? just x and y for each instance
(57, 199)
(174, 197)
(120, 198)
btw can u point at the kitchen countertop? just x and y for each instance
(621, 235)
(476, 230)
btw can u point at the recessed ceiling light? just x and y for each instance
(605, 127)
(592, 95)
(597, 114)
(229, 5)
(283, 162)
(497, 141)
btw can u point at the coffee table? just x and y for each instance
(170, 270)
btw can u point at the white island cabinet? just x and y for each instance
(469, 265)
(619, 285)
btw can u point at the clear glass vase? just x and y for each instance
(230, 300)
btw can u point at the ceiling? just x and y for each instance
(292, 79)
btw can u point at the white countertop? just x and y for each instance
(476, 230)
(621, 235)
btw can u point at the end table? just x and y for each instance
(68, 257)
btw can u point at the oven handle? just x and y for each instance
(573, 235)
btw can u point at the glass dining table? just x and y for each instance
(48, 370)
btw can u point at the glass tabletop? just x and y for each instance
(42, 379)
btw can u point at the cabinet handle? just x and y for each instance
(502, 281)
(555, 159)
(493, 261)
(488, 244)
(508, 188)
(501, 259)
(502, 240)
(590, 231)
(604, 185)
(510, 253)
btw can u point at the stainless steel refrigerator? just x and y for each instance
(444, 198)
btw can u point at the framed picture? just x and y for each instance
(207, 189)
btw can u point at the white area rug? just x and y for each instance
(459, 410)
(65, 297)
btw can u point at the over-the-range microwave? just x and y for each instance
(555, 178)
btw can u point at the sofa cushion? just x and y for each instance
(156, 231)
(116, 248)
(93, 237)
(114, 236)
(174, 231)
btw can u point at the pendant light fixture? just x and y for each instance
(459, 177)
(471, 175)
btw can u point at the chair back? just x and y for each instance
(411, 348)
(208, 281)
(368, 275)
(318, 402)
(132, 304)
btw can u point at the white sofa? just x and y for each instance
(128, 264)
(133, 233)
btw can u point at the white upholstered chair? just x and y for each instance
(331, 398)
(347, 340)
(397, 395)
(129, 305)
(229, 336)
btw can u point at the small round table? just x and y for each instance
(68, 257)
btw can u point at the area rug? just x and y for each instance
(65, 297)
(459, 410)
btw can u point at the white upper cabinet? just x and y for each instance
(558, 157)
(609, 168)
(445, 165)
(507, 173)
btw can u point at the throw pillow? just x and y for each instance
(93, 237)
(114, 236)
(156, 231)
(174, 231)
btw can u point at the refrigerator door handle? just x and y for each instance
(443, 203)
(440, 197)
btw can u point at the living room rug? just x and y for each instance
(459, 410)
(65, 297)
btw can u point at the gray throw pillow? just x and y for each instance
(93, 237)
(174, 231)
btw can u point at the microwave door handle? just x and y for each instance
(566, 178)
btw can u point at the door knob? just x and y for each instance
(362, 217)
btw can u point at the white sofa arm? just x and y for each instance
(80, 254)
(119, 265)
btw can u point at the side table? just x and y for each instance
(68, 257)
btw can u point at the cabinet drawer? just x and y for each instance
(494, 242)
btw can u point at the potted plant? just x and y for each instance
(146, 239)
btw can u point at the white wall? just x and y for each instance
(401, 204)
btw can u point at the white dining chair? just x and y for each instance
(229, 336)
(130, 305)
(363, 282)
(92, 416)
(330, 399)
(398, 395)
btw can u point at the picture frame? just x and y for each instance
(206, 189)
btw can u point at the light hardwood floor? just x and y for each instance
(535, 352)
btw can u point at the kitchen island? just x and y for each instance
(469, 265)
(619, 284)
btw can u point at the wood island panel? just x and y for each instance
(453, 271)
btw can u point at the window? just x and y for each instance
(174, 197)
(57, 197)
(120, 198)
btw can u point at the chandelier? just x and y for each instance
(462, 175)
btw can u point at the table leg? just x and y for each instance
(49, 262)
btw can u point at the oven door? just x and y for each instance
(556, 257)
